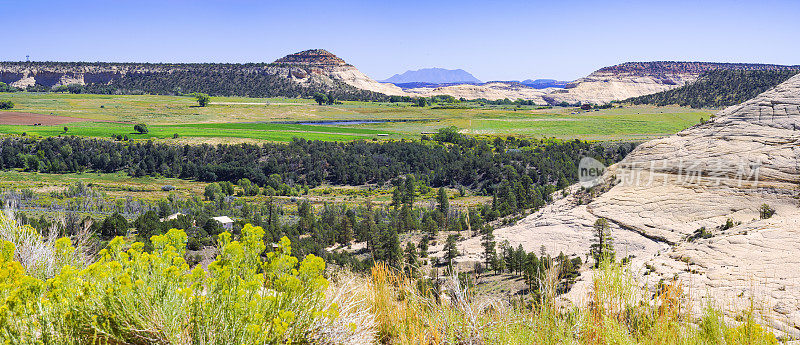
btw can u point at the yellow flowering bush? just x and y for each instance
(134, 297)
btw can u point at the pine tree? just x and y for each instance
(487, 241)
(603, 248)
(444, 203)
(411, 259)
(423, 246)
(450, 250)
(390, 245)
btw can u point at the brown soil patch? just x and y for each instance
(17, 118)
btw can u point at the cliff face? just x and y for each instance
(633, 79)
(325, 71)
(24, 74)
(490, 91)
(619, 82)
(661, 195)
(322, 65)
(311, 68)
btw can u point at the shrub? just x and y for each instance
(6, 104)
(134, 297)
(765, 211)
(202, 99)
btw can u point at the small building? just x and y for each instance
(227, 222)
(172, 217)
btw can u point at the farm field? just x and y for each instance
(280, 119)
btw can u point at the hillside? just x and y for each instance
(634, 79)
(690, 208)
(305, 73)
(618, 82)
(433, 76)
(718, 88)
(296, 75)
(544, 83)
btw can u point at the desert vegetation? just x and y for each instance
(54, 291)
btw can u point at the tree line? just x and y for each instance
(501, 166)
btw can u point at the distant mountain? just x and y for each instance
(434, 76)
(544, 83)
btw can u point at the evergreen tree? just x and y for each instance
(487, 241)
(443, 202)
(423, 246)
(390, 247)
(603, 248)
(450, 250)
(411, 259)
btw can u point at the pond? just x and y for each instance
(341, 123)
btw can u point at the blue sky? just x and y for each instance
(494, 40)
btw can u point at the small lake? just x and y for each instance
(340, 123)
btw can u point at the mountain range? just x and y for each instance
(434, 76)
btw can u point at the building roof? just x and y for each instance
(223, 219)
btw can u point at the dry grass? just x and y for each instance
(620, 312)
(37, 253)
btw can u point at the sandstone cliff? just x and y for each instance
(298, 74)
(619, 82)
(310, 71)
(322, 65)
(667, 189)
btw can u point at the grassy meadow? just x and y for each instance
(277, 119)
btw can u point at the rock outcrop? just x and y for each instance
(322, 65)
(490, 91)
(324, 71)
(619, 82)
(667, 189)
(315, 68)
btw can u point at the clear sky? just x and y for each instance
(494, 40)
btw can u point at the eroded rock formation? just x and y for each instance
(667, 189)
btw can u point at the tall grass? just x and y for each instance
(619, 312)
(42, 256)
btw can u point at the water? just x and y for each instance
(341, 123)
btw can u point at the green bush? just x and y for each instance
(202, 99)
(141, 128)
(6, 104)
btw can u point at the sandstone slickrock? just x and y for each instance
(666, 189)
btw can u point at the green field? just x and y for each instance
(261, 119)
(267, 132)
